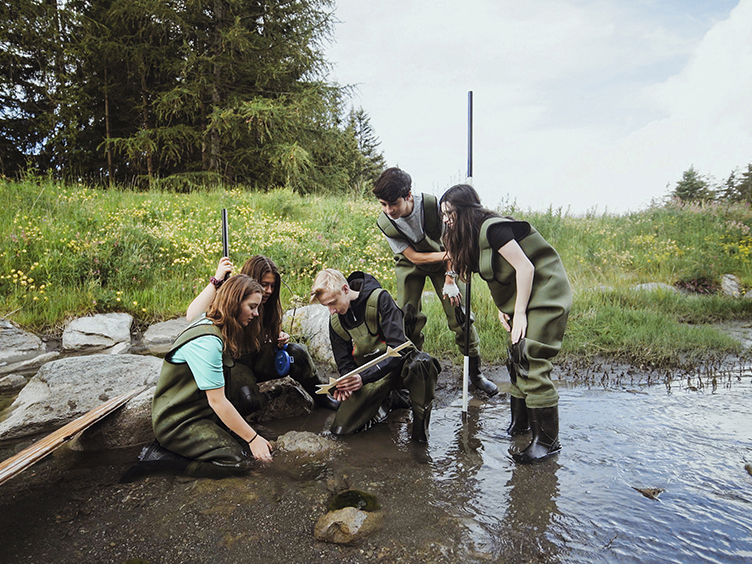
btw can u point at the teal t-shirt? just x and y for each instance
(204, 357)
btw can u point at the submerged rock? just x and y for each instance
(347, 526)
(650, 493)
(66, 389)
(307, 444)
(106, 332)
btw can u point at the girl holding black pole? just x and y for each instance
(531, 291)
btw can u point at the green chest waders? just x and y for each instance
(547, 312)
(371, 403)
(411, 278)
(184, 422)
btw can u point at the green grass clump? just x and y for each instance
(69, 250)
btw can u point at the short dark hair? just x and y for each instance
(393, 184)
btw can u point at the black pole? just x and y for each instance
(469, 272)
(470, 181)
(225, 238)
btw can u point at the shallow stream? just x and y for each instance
(459, 499)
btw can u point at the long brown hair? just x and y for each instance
(461, 240)
(225, 309)
(271, 312)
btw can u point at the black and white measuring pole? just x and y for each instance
(466, 368)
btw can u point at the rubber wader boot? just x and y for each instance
(248, 402)
(544, 423)
(519, 422)
(155, 459)
(421, 421)
(479, 380)
(324, 400)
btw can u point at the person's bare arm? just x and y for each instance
(201, 302)
(424, 258)
(260, 447)
(524, 273)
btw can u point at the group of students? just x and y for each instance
(208, 384)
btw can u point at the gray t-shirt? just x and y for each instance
(412, 226)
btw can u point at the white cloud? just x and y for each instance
(577, 104)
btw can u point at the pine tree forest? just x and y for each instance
(178, 94)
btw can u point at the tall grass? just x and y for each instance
(70, 250)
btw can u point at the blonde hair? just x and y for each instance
(327, 280)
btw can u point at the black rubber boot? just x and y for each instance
(421, 421)
(401, 399)
(479, 380)
(519, 422)
(544, 423)
(155, 459)
(325, 400)
(248, 402)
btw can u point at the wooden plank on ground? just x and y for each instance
(34, 453)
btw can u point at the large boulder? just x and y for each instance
(104, 332)
(159, 337)
(66, 389)
(17, 345)
(129, 425)
(313, 323)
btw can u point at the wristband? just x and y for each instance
(253, 439)
(216, 282)
(451, 273)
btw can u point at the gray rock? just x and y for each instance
(66, 389)
(107, 332)
(286, 398)
(346, 526)
(29, 366)
(304, 443)
(313, 323)
(17, 345)
(731, 286)
(12, 382)
(128, 426)
(159, 337)
(655, 286)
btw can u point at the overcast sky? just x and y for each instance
(583, 105)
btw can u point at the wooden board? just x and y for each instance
(16, 464)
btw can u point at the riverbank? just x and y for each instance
(459, 499)
(68, 251)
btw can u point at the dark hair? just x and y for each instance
(271, 312)
(393, 184)
(224, 311)
(461, 240)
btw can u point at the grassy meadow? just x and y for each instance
(70, 250)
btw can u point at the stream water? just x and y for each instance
(459, 499)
